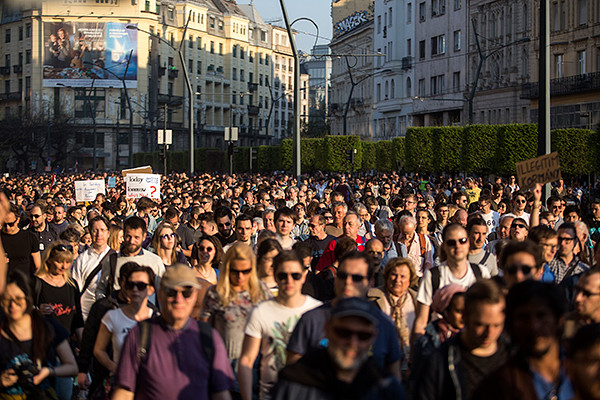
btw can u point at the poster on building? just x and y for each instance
(142, 185)
(90, 54)
(87, 190)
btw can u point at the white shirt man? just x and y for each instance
(415, 244)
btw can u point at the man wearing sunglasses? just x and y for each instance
(519, 202)
(39, 226)
(566, 263)
(351, 280)
(21, 246)
(456, 269)
(174, 363)
(271, 323)
(224, 221)
(586, 304)
(343, 369)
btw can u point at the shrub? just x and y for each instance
(447, 149)
(577, 150)
(479, 148)
(419, 149)
(384, 161)
(516, 142)
(369, 155)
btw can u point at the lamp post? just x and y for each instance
(482, 58)
(187, 79)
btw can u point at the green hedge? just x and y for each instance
(475, 149)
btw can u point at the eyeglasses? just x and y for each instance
(347, 334)
(456, 242)
(282, 276)
(549, 246)
(312, 226)
(168, 236)
(64, 247)
(36, 216)
(204, 202)
(514, 268)
(141, 286)
(521, 226)
(207, 249)
(17, 300)
(565, 239)
(584, 292)
(10, 223)
(186, 292)
(356, 278)
(240, 271)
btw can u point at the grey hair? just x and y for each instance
(407, 219)
(384, 225)
(338, 204)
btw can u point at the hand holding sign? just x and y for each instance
(143, 185)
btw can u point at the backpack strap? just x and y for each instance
(422, 244)
(112, 260)
(98, 268)
(476, 270)
(208, 348)
(145, 337)
(485, 257)
(435, 280)
(332, 269)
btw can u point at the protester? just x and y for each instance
(165, 244)
(21, 246)
(206, 258)
(266, 253)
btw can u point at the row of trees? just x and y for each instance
(476, 149)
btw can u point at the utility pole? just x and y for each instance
(544, 141)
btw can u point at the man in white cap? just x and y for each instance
(173, 356)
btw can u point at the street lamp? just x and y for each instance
(353, 84)
(187, 79)
(128, 104)
(482, 58)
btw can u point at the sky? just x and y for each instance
(317, 10)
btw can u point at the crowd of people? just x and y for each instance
(328, 287)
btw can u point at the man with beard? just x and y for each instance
(536, 371)
(224, 221)
(343, 369)
(134, 234)
(41, 228)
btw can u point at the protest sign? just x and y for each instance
(543, 169)
(139, 170)
(112, 182)
(143, 185)
(87, 190)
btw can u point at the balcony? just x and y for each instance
(170, 99)
(14, 96)
(252, 87)
(253, 110)
(162, 71)
(173, 73)
(407, 63)
(564, 86)
(4, 70)
(18, 68)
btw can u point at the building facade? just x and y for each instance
(394, 73)
(318, 67)
(575, 64)
(228, 51)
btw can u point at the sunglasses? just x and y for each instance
(584, 292)
(207, 249)
(347, 334)
(141, 286)
(36, 216)
(167, 236)
(514, 268)
(565, 239)
(186, 292)
(64, 247)
(521, 226)
(282, 276)
(240, 271)
(521, 201)
(356, 278)
(11, 223)
(224, 225)
(456, 242)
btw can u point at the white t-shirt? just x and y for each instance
(425, 295)
(491, 220)
(274, 324)
(525, 216)
(119, 325)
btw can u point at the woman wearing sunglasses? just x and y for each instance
(227, 304)
(116, 324)
(165, 243)
(271, 324)
(29, 345)
(206, 258)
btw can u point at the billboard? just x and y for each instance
(89, 54)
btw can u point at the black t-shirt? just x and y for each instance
(65, 304)
(318, 247)
(12, 356)
(225, 241)
(185, 235)
(19, 248)
(475, 368)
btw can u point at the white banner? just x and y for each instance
(143, 185)
(87, 190)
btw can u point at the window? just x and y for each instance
(456, 81)
(242, 75)
(457, 39)
(199, 92)
(558, 62)
(421, 87)
(438, 45)
(7, 36)
(242, 55)
(409, 47)
(27, 56)
(582, 12)
(379, 92)
(581, 62)
(409, 13)
(234, 98)
(234, 50)
(438, 7)
(422, 49)
(408, 87)
(234, 74)
(212, 47)
(28, 31)
(393, 90)
(260, 79)
(390, 16)
(21, 33)
(379, 24)
(199, 43)
(422, 11)
(220, 48)
(199, 68)
(438, 85)
(7, 60)
(563, 15)
(191, 42)
(387, 90)
(457, 4)
(190, 65)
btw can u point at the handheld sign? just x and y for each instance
(138, 170)
(543, 169)
(87, 190)
(143, 185)
(112, 182)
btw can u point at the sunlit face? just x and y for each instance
(266, 263)
(14, 302)
(133, 239)
(339, 213)
(398, 280)
(133, 292)
(456, 245)
(454, 314)
(239, 273)
(177, 307)
(99, 233)
(243, 230)
(566, 242)
(284, 225)
(587, 296)
(422, 219)
(351, 225)
(167, 238)
(206, 252)
(549, 248)
(477, 236)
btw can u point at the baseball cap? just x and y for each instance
(179, 275)
(354, 307)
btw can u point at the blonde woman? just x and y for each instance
(227, 305)
(164, 244)
(116, 237)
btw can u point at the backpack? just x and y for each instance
(435, 276)
(92, 275)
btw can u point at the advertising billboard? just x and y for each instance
(90, 54)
